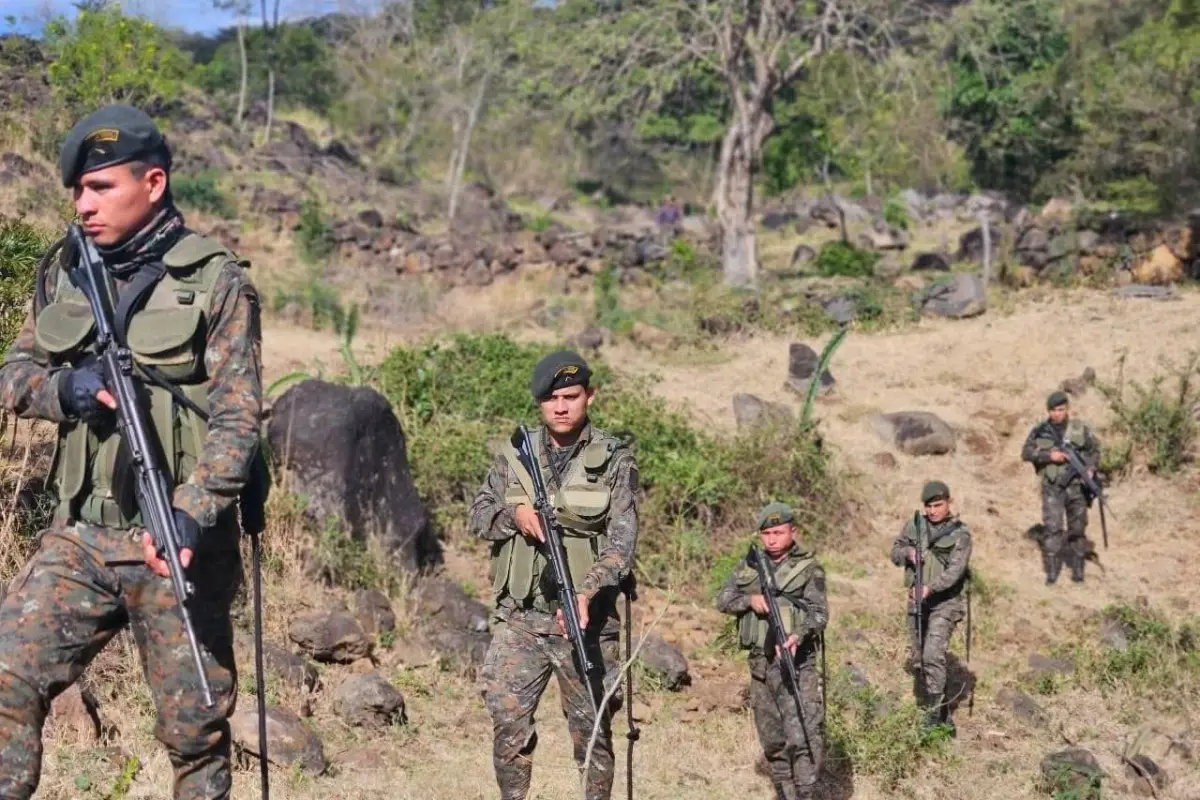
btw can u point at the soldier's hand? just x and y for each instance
(158, 565)
(759, 604)
(1058, 456)
(925, 592)
(528, 523)
(791, 644)
(911, 555)
(581, 607)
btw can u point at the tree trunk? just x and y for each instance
(734, 198)
(465, 145)
(241, 38)
(270, 103)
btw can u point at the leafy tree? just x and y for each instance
(104, 57)
(305, 73)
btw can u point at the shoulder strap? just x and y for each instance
(135, 294)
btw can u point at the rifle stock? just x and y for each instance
(552, 548)
(151, 484)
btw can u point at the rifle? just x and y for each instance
(1090, 484)
(914, 607)
(770, 590)
(552, 548)
(151, 483)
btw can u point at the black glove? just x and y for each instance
(77, 390)
(189, 531)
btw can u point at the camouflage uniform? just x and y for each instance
(1063, 495)
(527, 647)
(794, 747)
(87, 579)
(946, 550)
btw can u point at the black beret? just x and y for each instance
(934, 490)
(1056, 399)
(109, 136)
(560, 369)
(773, 514)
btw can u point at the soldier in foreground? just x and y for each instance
(940, 543)
(96, 570)
(1063, 493)
(592, 481)
(792, 734)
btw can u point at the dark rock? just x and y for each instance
(445, 604)
(330, 637)
(374, 611)
(958, 298)
(1080, 385)
(970, 245)
(368, 701)
(1022, 706)
(751, 411)
(936, 262)
(289, 741)
(1073, 769)
(774, 220)
(478, 274)
(13, 167)
(289, 668)
(346, 450)
(1115, 634)
(371, 218)
(885, 460)
(663, 659)
(842, 309)
(1088, 241)
(802, 363)
(338, 150)
(1033, 240)
(803, 254)
(591, 338)
(1148, 778)
(915, 433)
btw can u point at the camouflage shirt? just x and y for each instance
(232, 359)
(491, 519)
(810, 597)
(954, 561)
(1035, 452)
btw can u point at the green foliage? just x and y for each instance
(540, 223)
(201, 192)
(838, 258)
(305, 73)
(895, 212)
(314, 238)
(607, 302)
(1156, 418)
(323, 303)
(21, 247)
(103, 56)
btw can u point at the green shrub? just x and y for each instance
(21, 247)
(541, 222)
(1156, 420)
(202, 193)
(607, 302)
(314, 238)
(103, 56)
(838, 258)
(895, 212)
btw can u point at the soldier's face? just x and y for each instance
(114, 203)
(778, 539)
(565, 411)
(1059, 414)
(937, 510)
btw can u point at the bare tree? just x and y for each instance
(241, 10)
(270, 26)
(759, 47)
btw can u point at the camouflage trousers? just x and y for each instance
(515, 673)
(75, 594)
(1070, 542)
(929, 668)
(795, 760)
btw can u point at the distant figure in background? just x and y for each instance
(669, 214)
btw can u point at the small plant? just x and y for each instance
(608, 311)
(21, 246)
(314, 238)
(1157, 418)
(201, 192)
(895, 212)
(841, 259)
(540, 223)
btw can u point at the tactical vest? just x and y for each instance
(169, 332)
(1075, 434)
(790, 577)
(935, 556)
(581, 505)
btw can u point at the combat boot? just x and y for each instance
(1052, 565)
(1077, 568)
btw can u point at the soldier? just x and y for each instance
(592, 481)
(95, 570)
(945, 548)
(1062, 490)
(793, 744)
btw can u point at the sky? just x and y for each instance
(197, 16)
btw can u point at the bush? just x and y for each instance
(1157, 421)
(201, 193)
(21, 247)
(700, 490)
(839, 258)
(895, 212)
(314, 238)
(103, 56)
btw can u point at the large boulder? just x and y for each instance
(289, 742)
(915, 433)
(368, 701)
(453, 622)
(346, 451)
(1073, 770)
(374, 611)
(290, 669)
(330, 637)
(961, 296)
(663, 660)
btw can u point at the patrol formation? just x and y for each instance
(559, 508)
